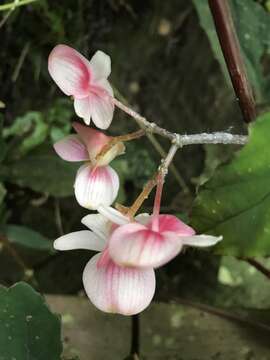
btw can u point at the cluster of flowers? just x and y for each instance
(120, 278)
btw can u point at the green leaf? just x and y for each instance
(28, 329)
(235, 202)
(43, 171)
(21, 235)
(31, 127)
(252, 24)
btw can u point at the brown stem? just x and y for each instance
(135, 336)
(257, 265)
(232, 53)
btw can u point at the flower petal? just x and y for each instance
(70, 148)
(116, 289)
(102, 109)
(201, 240)
(70, 70)
(136, 245)
(83, 109)
(96, 186)
(143, 219)
(95, 141)
(115, 216)
(100, 64)
(98, 224)
(80, 240)
(173, 224)
(103, 85)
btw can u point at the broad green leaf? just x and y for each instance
(21, 235)
(28, 329)
(235, 202)
(252, 24)
(43, 171)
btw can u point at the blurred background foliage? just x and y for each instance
(167, 63)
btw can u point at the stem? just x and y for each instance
(118, 139)
(257, 265)
(232, 53)
(182, 140)
(135, 335)
(15, 4)
(162, 172)
(158, 147)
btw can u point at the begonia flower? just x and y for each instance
(152, 242)
(86, 81)
(110, 287)
(96, 182)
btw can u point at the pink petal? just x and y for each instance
(143, 219)
(102, 109)
(80, 240)
(136, 245)
(173, 224)
(96, 186)
(71, 148)
(93, 139)
(98, 224)
(116, 289)
(70, 70)
(201, 240)
(100, 64)
(83, 109)
(102, 86)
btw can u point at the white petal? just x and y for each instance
(105, 85)
(116, 289)
(83, 109)
(113, 215)
(143, 219)
(99, 224)
(80, 240)
(200, 240)
(100, 64)
(102, 108)
(95, 187)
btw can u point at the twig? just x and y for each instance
(257, 265)
(20, 62)
(224, 314)
(158, 147)
(232, 53)
(149, 186)
(135, 336)
(15, 4)
(183, 140)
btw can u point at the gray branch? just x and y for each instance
(183, 140)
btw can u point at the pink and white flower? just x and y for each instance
(96, 182)
(110, 287)
(152, 241)
(86, 81)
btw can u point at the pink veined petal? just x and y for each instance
(113, 215)
(100, 65)
(173, 224)
(102, 109)
(98, 224)
(96, 186)
(84, 239)
(70, 70)
(95, 140)
(115, 289)
(83, 109)
(201, 240)
(71, 148)
(136, 245)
